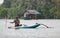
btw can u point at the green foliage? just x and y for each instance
(49, 9)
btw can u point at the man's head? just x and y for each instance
(17, 17)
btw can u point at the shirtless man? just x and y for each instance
(17, 22)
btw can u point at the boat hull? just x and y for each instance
(33, 26)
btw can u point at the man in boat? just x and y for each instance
(17, 22)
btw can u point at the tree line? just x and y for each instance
(48, 9)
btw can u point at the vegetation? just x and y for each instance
(49, 9)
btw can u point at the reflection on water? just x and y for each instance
(39, 32)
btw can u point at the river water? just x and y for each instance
(39, 32)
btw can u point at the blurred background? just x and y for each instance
(48, 9)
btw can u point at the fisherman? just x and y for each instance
(17, 22)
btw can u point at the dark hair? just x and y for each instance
(17, 17)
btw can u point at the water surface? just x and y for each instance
(39, 32)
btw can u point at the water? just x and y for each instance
(39, 32)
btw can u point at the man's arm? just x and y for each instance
(13, 21)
